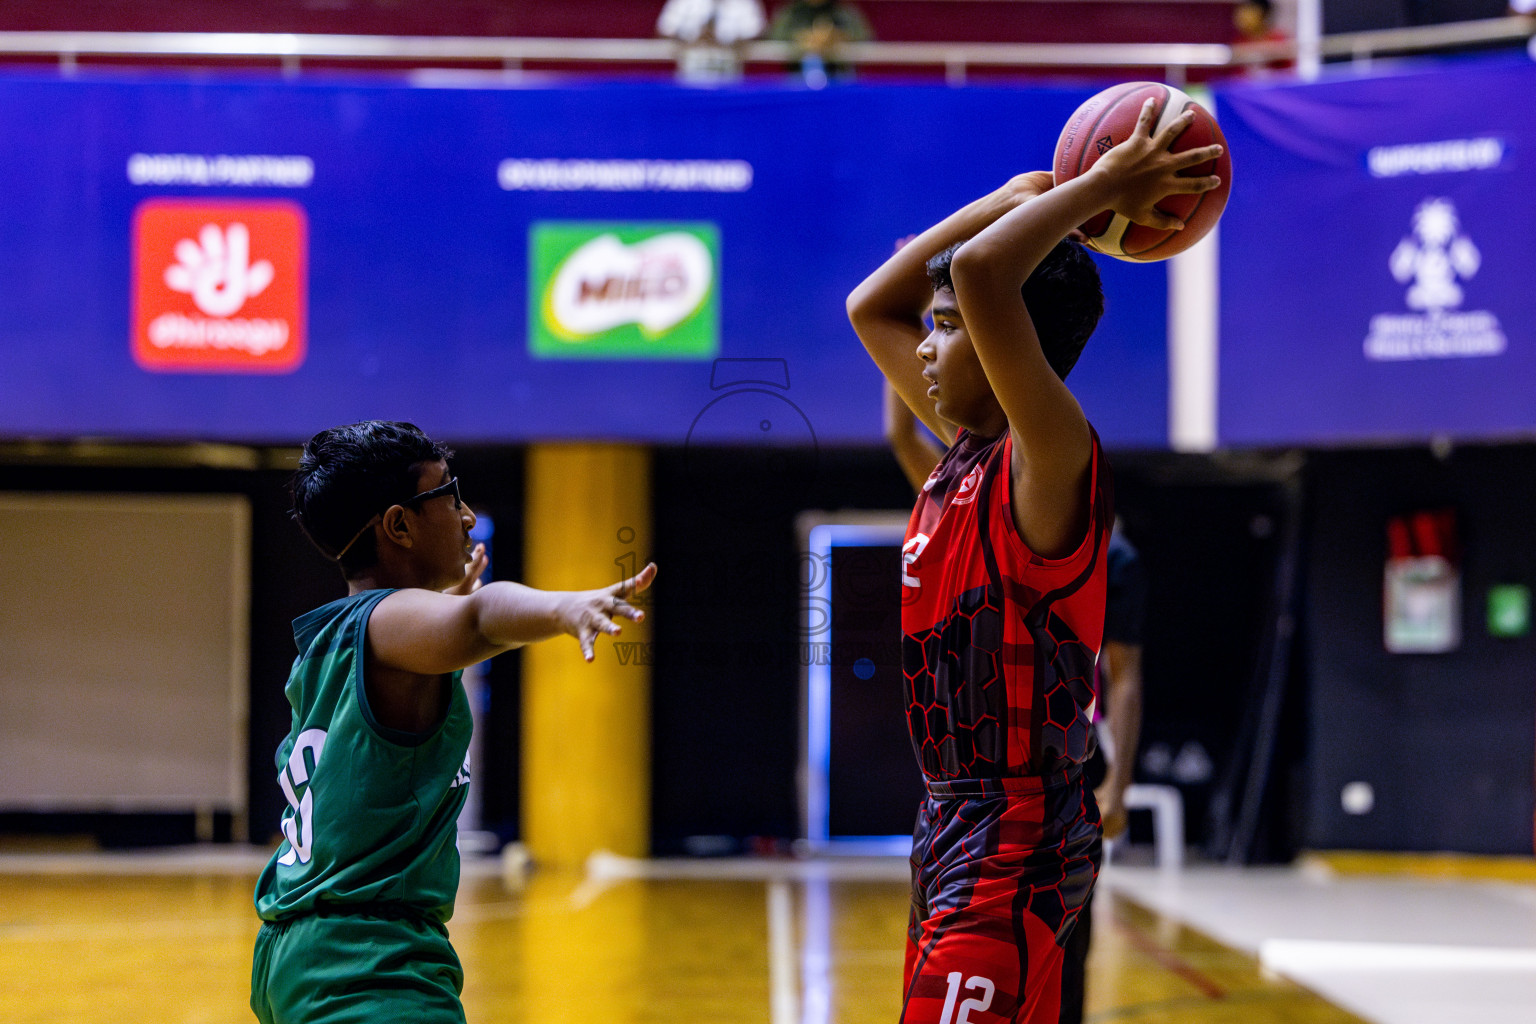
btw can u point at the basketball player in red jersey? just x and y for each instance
(1004, 572)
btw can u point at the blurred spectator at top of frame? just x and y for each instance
(710, 34)
(818, 29)
(1254, 21)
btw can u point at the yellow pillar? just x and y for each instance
(586, 727)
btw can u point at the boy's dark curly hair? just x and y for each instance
(1063, 295)
(347, 475)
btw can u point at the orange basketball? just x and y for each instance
(1107, 120)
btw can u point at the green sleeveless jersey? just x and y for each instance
(372, 812)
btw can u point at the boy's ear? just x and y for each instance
(397, 525)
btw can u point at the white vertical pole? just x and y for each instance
(1192, 346)
(1309, 39)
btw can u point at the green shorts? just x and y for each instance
(355, 968)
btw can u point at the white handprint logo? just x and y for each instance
(218, 273)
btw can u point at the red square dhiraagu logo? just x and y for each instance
(219, 287)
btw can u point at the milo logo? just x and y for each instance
(623, 291)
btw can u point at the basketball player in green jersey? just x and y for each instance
(374, 768)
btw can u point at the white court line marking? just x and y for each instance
(1288, 956)
(115, 932)
(233, 861)
(590, 888)
(816, 953)
(781, 953)
(854, 869)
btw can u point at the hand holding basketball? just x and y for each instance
(1144, 123)
(1145, 172)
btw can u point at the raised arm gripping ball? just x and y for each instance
(1107, 120)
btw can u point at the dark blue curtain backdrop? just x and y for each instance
(417, 287)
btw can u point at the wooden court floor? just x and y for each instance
(174, 948)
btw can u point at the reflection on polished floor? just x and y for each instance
(167, 939)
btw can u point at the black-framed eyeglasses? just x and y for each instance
(451, 487)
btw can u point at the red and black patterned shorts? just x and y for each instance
(1000, 870)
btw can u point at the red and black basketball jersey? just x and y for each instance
(999, 645)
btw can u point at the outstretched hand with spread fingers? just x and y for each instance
(587, 614)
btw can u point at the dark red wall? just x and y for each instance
(907, 20)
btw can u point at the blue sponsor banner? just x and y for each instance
(1376, 260)
(254, 261)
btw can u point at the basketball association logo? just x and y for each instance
(1434, 261)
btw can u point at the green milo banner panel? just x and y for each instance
(623, 291)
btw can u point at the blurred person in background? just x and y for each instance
(1254, 21)
(710, 34)
(818, 29)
